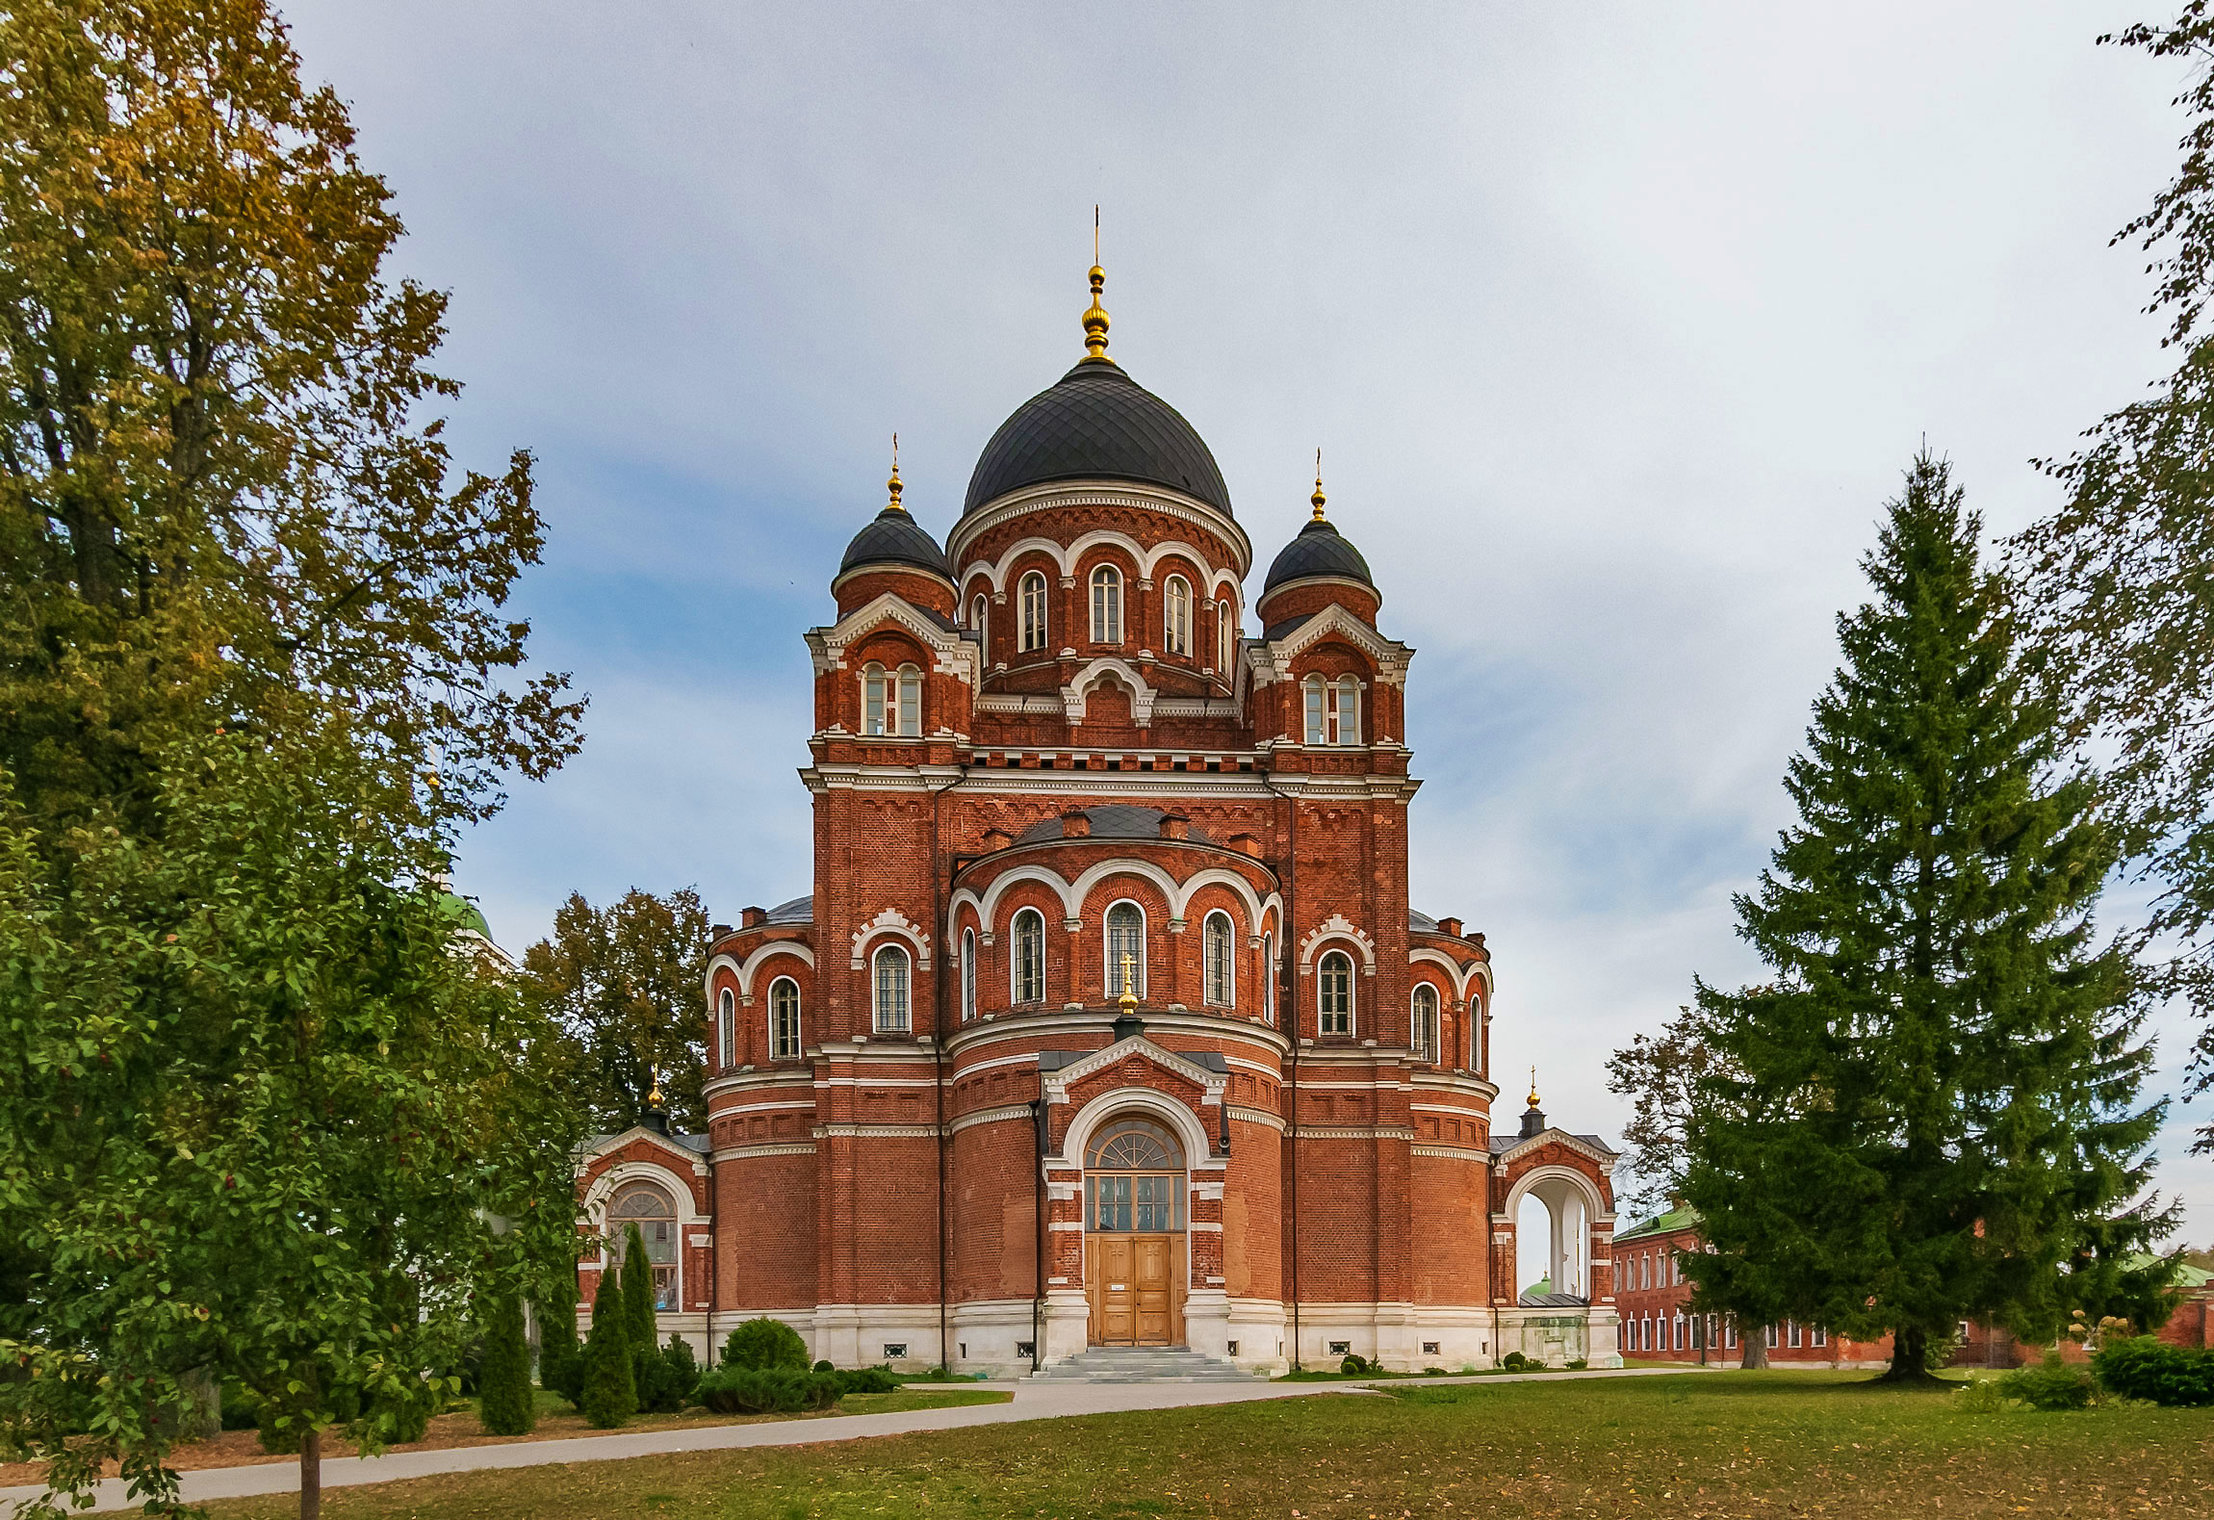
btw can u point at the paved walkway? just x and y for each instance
(1032, 1401)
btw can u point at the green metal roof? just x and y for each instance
(1660, 1224)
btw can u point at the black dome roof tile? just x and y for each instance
(895, 538)
(1096, 423)
(1320, 549)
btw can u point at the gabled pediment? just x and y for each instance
(1389, 655)
(1136, 1048)
(955, 653)
(1583, 1145)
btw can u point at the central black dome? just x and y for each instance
(1096, 423)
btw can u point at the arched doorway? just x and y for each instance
(1134, 1256)
(645, 1205)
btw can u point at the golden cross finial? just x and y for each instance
(1317, 497)
(1095, 315)
(892, 485)
(653, 1098)
(1533, 1087)
(1129, 982)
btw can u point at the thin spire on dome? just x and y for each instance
(1533, 1087)
(892, 485)
(1095, 315)
(1317, 498)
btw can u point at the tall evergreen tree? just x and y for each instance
(610, 1392)
(1932, 1112)
(560, 1358)
(638, 1290)
(504, 1401)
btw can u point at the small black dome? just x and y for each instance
(1320, 549)
(894, 538)
(1096, 423)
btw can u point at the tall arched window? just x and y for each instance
(1426, 1023)
(968, 975)
(1106, 605)
(1134, 1180)
(784, 1019)
(1226, 635)
(878, 701)
(726, 1030)
(1125, 945)
(648, 1207)
(891, 991)
(1268, 976)
(1222, 985)
(910, 702)
(979, 615)
(1333, 710)
(1176, 617)
(1029, 957)
(1334, 993)
(1033, 611)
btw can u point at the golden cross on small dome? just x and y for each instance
(653, 1098)
(1317, 498)
(1533, 1087)
(893, 484)
(1129, 981)
(1095, 315)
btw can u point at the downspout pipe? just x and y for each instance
(1037, 1297)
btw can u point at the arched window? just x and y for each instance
(1134, 1179)
(1333, 710)
(784, 1019)
(1226, 635)
(1106, 605)
(968, 975)
(1268, 976)
(1334, 992)
(1176, 617)
(726, 1030)
(1029, 957)
(1033, 612)
(910, 702)
(1125, 946)
(979, 615)
(1426, 1023)
(648, 1207)
(891, 992)
(878, 703)
(1222, 986)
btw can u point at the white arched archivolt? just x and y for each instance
(662, 1176)
(1067, 557)
(1079, 689)
(1121, 1101)
(747, 969)
(1259, 910)
(1572, 1207)
(1456, 978)
(1337, 927)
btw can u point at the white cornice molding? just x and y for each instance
(1061, 494)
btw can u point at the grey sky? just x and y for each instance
(1616, 323)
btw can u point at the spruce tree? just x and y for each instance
(610, 1393)
(638, 1291)
(1931, 1113)
(504, 1401)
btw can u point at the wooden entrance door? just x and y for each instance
(1136, 1284)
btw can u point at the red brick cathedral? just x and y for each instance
(1107, 1021)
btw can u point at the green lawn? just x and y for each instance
(1755, 1444)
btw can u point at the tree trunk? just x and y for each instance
(311, 1475)
(1755, 1338)
(1910, 1350)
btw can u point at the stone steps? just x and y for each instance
(1143, 1364)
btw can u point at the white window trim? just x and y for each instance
(1268, 977)
(1352, 997)
(776, 1052)
(887, 702)
(968, 975)
(1229, 999)
(726, 1030)
(1430, 1051)
(909, 681)
(877, 1024)
(1176, 608)
(1014, 959)
(1107, 947)
(1036, 634)
(1106, 579)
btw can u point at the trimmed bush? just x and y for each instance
(865, 1379)
(2143, 1367)
(826, 1366)
(1357, 1366)
(684, 1368)
(730, 1389)
(610, 1393)
(2054, 1384)
(504, 1403)
(765, 1343)
(1515, 1361)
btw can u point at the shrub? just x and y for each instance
(684, 1368)
(2054, 1384)
(765, 1343)
(730, 1389)
(825, 1366)
(1357, 1366)
(2145, 1368)
(1435, 1372)
(1578, 1365)
(610, 1393)
(241, 1410)
(865, 1379)
(1515, 1361)
(504, 1402)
